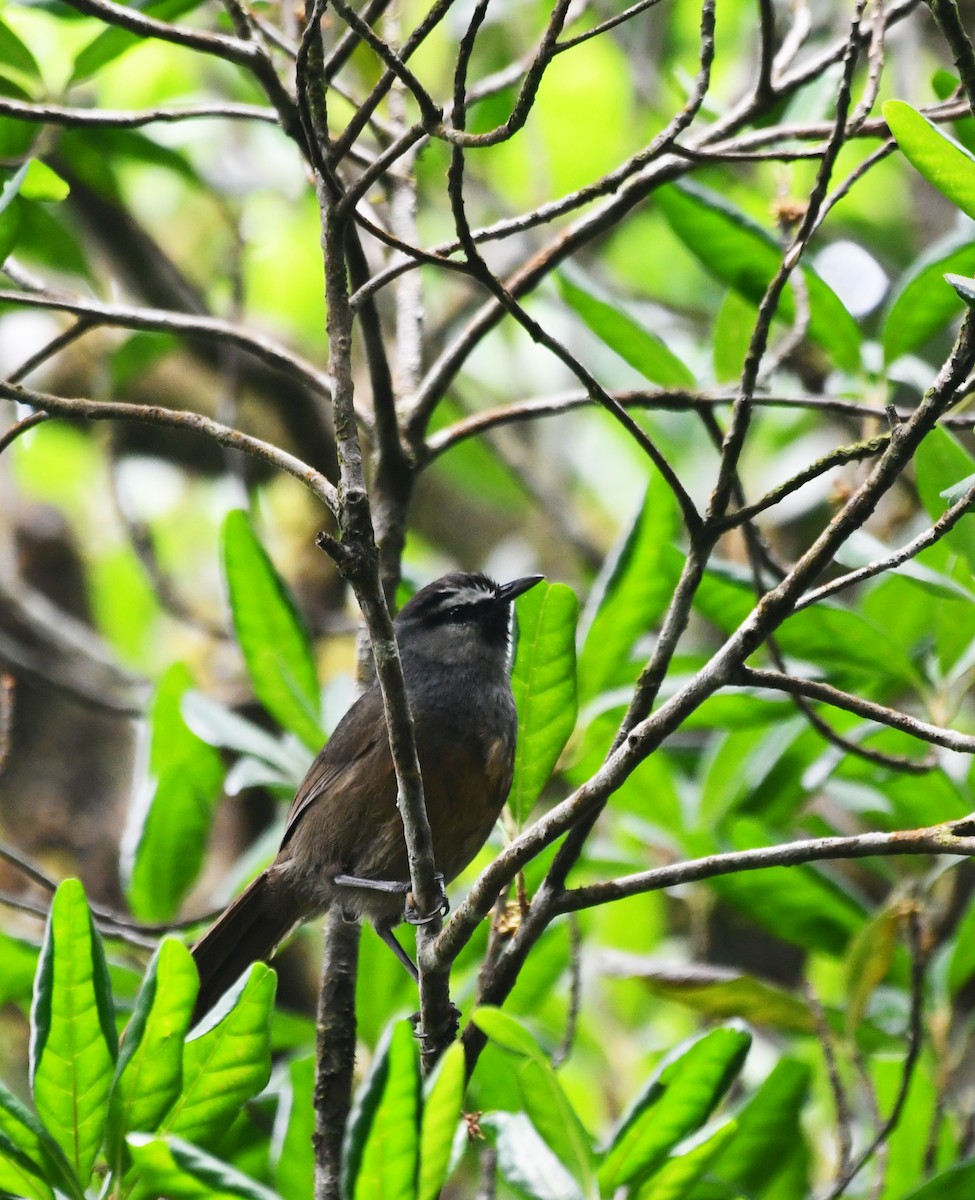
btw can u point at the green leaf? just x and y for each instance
(939, 463)
(111, 43)
(721, 992)
(683, 1168)
(272, 636)
(766, 1123)
(549, 1110)
(509, 1033)
(922, 306)
(942, 161)
(544, 684)
(630, 594)
(226, 1062)
(732, 333)
(740, 253)
(294, 1170)
(32, 1158)
(632, 341)
(443, 1098)
(149, 1075)
(73, 1040)
(961, 964)
(679, 1098)
(387, 1162)
(524, 1160)
(173, 1168)
(187, 775)
(41, 183)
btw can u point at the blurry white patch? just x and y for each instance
(854, 275)
(149, 487)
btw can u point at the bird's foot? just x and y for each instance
(412, 917)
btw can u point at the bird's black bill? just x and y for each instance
(507, 592)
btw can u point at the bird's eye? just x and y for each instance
(455, 613)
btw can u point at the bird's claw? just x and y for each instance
(412, 917)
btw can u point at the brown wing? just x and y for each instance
(343, 765)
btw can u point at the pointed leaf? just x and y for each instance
(943, 162)
(632, 341)
(629, 595)
(743, 255)
(273, 638)
(685, 1166)
(444, 1095)
(108, 45)
(769, 1120)
(544, 684)
(720, 993)
(549, 1110)
(173, 1168)
(149, 1075)
(35, 1159)
(678, 1099)
(227, 1062)
(73, 1040)
(389, 1156)
(922, 305)
(186, 775)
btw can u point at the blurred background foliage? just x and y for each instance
(149, 748)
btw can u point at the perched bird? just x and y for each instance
(343, 843)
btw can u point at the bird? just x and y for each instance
(343, 841)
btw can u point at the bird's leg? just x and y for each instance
(376, 885)
(412, 917)
(386, 934)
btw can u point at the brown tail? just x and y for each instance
(248, 930)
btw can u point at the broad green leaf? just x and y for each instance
(685, 1166)
(175, 1169)
(769, 1120)
(149, 1075)
(20, 1177)
(922, 304)
(363, 1114)
(861, 548)
(186, 775)
(272, 636)
(73, 1040)
(630, 594)
(544, 684)
(550, 1111)
(508, 1032)
(941, 462)
(388, 1162)
(679, 1098)
(721, 992)
(31, 1159)
(524, 1160)
(745, 257)
(632, 341)
(443, 1098)
(942, 161)
(226, 1063)
(108, 45)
